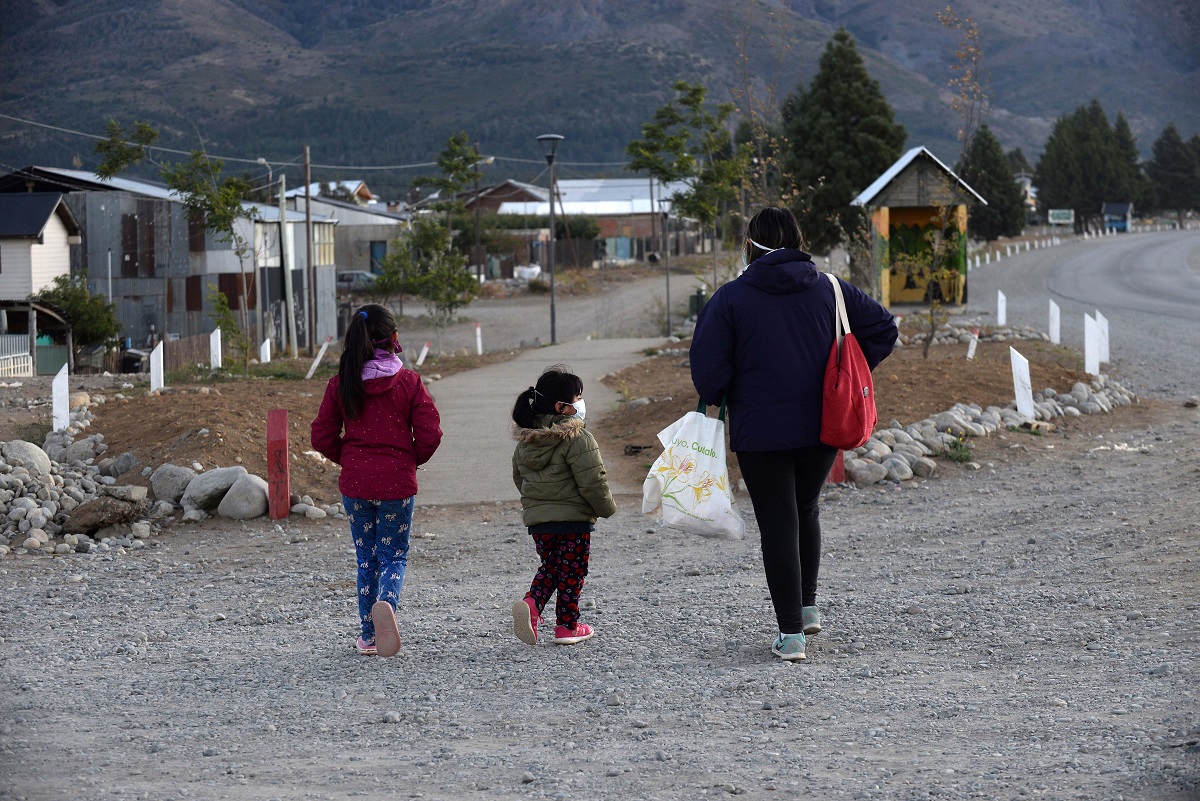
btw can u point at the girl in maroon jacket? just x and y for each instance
(377, 422)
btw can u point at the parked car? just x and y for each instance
(354, 281)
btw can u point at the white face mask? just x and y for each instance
(746, 263)
(580, 409)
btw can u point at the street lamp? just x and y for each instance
(663, 204)
(478, 261)
(549, 143)
(270, 175)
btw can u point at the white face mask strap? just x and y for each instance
(760, 247)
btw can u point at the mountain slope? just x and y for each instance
(387, 81)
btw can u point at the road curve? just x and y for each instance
(1147, 285)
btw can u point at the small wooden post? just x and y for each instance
(278, 483)
(837, 475)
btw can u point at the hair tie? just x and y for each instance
(362, 313)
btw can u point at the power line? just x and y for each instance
(359, 167)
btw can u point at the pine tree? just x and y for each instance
(987, 170)
(1174, 172)
(1081, 165)
(841, 135)
(1130, 177)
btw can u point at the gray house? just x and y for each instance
(141, 248)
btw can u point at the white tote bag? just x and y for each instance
(689, 482)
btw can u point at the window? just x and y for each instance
(323, 244)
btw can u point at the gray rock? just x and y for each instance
(131, 492)
(314, 513)
(897, 469)
(79, 451)
(863, 472)
(924, 467)
(33, 457)
(170, 481)
(194, 515)
(246, 499)
(206, 490)
(123, 464)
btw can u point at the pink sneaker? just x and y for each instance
(387, 633)
(365, 647)
(566, 636)
(525, 621)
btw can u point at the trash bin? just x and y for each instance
(696, 302)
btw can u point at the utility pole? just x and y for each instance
(308, 243)
(285, 264)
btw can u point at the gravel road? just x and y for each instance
(1028, 629)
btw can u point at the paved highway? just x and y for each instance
(1147, 285)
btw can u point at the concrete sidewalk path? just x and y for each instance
(474, 462)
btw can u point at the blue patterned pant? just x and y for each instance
(380, 530)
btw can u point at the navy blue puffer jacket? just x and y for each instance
(762, 341)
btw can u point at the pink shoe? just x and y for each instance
(566, 636)
(387, 633)
(365, 647)
(526, 620)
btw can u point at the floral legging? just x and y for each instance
(564, 567)
(380, 530)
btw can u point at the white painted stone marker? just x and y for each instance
(1055, 324)
(60, 399)
(1102, 327)
(1001, 308)
(214, 349)
(156, 367)
(1091, 345)
(973, 344)
(1022, 385)
(264, 352)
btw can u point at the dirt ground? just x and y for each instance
(908, 388)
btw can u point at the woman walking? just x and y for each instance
(761, 344)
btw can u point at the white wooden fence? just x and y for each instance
(16, 365)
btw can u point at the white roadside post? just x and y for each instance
(1091, 345)
(214, 349)
(1102, 328)
(1022, 385)
(973, 344)
(478, 340)
(423, 354)
(1055, 324)
(264, 352)
(156, 368)
(60, 400)
(320, 355)
(1001, 308)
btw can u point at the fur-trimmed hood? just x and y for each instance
(537, 445)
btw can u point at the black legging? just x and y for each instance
(785, 487)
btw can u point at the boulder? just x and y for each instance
(863, 472)
(123, 464)
(170, 481)
(33, 457)
(78, 451)
(100, 513)
(206, 490)
(246, 499)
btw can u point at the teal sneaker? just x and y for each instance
(789, 647)
(811, 620)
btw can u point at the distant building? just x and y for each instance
(363, 234)
(355, 192)
(141, 248)
(37, 231)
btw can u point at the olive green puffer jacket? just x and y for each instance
(558, 470)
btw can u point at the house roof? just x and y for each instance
(375, 208)
(68, 180)
(24, 215)
(600, 197)
(355, 188)
(890, 174)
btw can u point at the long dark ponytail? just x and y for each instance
(371, 327)
(556, 383)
